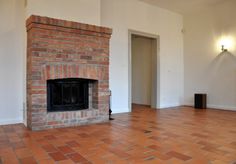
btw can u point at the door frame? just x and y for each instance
(155, 95)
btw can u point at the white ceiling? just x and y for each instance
(184, 6)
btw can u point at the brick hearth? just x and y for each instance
(59, 49)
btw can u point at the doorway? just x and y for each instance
(143, 73)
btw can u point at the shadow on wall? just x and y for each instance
(221, 75)
(225, 61)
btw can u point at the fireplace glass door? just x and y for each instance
(67, 94)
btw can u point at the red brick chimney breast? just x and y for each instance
(58, 49)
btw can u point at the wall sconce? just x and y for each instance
(223, 49)
(226, 43)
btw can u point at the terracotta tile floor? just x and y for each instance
(172, 136)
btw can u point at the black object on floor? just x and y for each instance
(200, 100)
(110, 111)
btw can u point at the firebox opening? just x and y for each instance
(68, 94)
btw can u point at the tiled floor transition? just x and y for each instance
(170, 136)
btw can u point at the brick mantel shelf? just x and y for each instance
(58, 49)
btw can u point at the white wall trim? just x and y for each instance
(168, 106)
(10, 121)
(188, 104)
(156, 78)
(219, 107)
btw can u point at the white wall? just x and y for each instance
(141, 70)
(84, 11)
(13, 14)
(12, 48)
(122, 15)
(205, 70)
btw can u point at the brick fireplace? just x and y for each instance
(60, 49)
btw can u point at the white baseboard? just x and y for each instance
(10, 121)
(188, 104)
(168, 106)
(220, 107)
(127, 110)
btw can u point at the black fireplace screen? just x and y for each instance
(67, 94)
